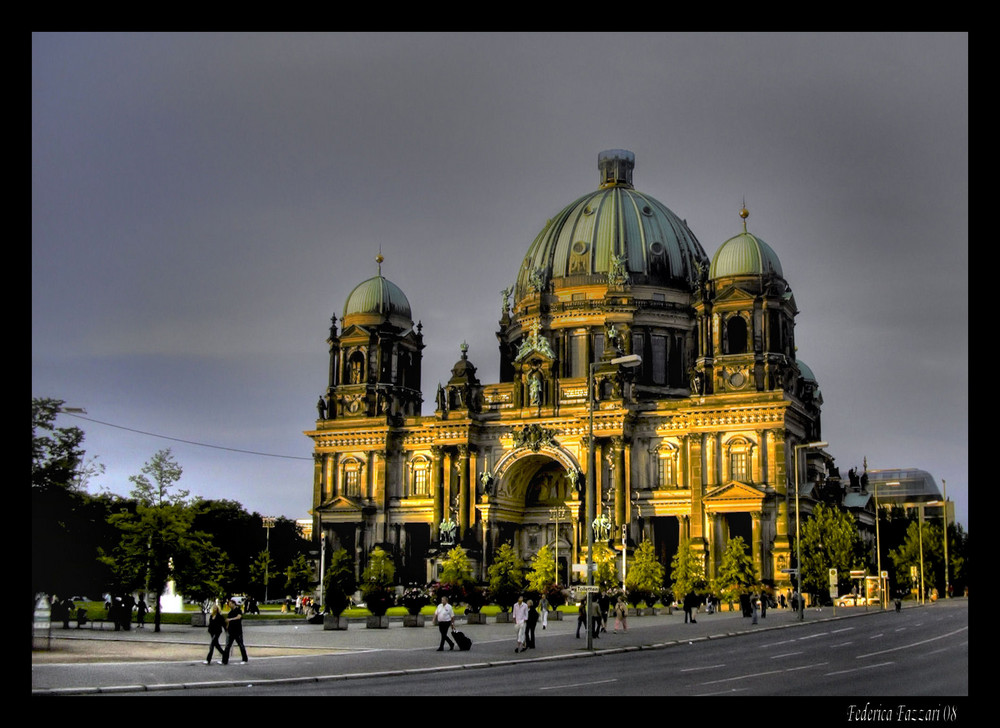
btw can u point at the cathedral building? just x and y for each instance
(694, 441)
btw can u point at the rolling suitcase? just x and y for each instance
(463, 642)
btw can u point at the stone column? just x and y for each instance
(618, 474)
(437, 489)
(463, 490)
(756, 540)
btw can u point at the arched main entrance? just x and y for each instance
(536, 503)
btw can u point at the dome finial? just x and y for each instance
(379, 259)
(744, 213)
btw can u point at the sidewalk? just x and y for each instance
(83, 661)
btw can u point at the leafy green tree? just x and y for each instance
(156, 533)
(56, 453)
(262, 573)
(830, 540)
(67, 524)
(605, 567)
(644, 578)
(543, 570)
(687, 571)
(506, 577)
(377, 580)
(457, 569)
(299, 575)
(736, 574)
(339, 582)
(204, 573)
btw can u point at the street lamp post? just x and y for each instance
(557, 513)
(268, 525)
(947, 582)
(878, 549)
(631, 360)
(920, 538)
(798, 538)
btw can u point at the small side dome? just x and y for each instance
(745, 255)
(377, 295)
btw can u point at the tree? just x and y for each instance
(605, 567)
(543, 570)
(299, 575)
(56, 453)
(506, 577)
(644, 579)
(154, 535)
(687, 571)
(377, 580)
(339, 582)
(154, 482)
(457, 569)
(736, 575)
(262, 571)
(830, 540)
(204, 573)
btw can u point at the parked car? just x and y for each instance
(849, 600)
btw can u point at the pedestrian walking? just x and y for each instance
(595, 617)
(605, 603)
(621, 615)
(581, 619)
(543, 610)
(763, 604)
(141, 609)
(529, 629)
(690, 603)
(444, 618)
(755, 607)
(234, 632)
(216, 626)
(521, 622)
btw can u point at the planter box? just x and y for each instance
(555, 616)
(504, 618)
(199, 620)
(475, 618)
(332, 622)
(377, 622)
(413, 620)
(648, 611)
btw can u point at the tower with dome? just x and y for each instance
(694, 444)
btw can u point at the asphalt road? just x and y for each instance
(922, 651)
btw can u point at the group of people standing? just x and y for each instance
(600, 609)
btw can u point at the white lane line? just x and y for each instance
(578, 685)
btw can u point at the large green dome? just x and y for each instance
(744, 255)
(580, 244)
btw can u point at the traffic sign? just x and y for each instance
(592, 589)
(793, 572)
(857, 574)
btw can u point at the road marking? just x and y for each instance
(707, 667)
(578, 685)
(857, 669)
(914, 644)
(787, 654)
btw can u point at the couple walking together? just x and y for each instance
(232, 624)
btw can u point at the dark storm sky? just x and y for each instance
(202, 204)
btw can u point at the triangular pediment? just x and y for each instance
(734, 294)
(339, 504)
(732, 493)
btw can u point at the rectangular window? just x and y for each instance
(666, 475)
(352, 483)
(598, 346)
(420, 481)
(739, 467)
(659, 368)
(578, 355)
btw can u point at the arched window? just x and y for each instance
(666, 466)
(351, 478)
(740, 451)
(420, 477)
(356, 368)
(736, 335)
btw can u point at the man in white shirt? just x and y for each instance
(521, 620)
(444, 617)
